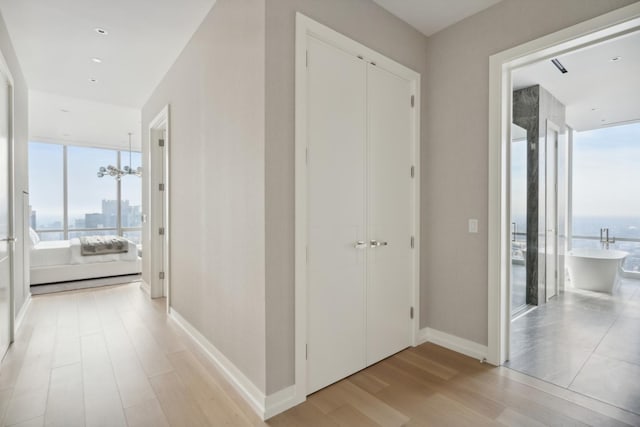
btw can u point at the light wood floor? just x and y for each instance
(110, 357)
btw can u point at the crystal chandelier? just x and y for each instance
(119, 173)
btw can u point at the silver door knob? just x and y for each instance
(360, 244)
(375, 243)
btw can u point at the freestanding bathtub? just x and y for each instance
(595, 269)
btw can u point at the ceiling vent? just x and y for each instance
(559, 66)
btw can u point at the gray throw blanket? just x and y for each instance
(103, 245)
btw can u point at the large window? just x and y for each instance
(606, 178)
(46, 182)
(94, 206)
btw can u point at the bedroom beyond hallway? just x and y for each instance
(84, 204)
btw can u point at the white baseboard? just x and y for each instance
(145, 287)
(454, 343)
(280, 401)
(265, 406)
(22, 312)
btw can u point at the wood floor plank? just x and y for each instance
(348, 416)
(131, 378)
(67, 347)
(5, 398)
(65, 405)
(34, 422)
(509, 417)
(26, 405)
(111, 356)
(101, 397)
(146, 414)
(179, 408)
(368, 382)
(213, 401)
(149, 352)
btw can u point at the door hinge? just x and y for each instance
(161, 275)
(411, 312)
(161, 142)
(413, 171)
(161, 231)
(160, 187)
(413, 242)
(413, 101)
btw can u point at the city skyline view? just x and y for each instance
(91, 202)
(606, 176)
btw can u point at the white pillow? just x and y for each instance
(33, 237)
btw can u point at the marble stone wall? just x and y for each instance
(532, 107)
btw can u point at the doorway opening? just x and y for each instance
(533, 215)
(158, 189)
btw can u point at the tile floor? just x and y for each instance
(584, 341)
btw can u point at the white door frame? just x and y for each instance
(582, 35)
(11, 232)
(550, 125)
(304, 27)
(159, 206)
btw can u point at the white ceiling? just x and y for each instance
(55, 42)
(56, 118)
(431, 16)
(596, 90)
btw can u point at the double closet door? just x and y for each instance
(360, 213)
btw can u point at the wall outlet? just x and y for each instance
(473, 225)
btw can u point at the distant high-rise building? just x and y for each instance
(93, 220)
(110, 213)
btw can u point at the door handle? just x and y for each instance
(9, 239)
(360, 244)
(375, 243)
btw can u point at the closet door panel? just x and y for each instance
(336, 214)
(390, 214)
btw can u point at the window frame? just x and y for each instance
(119, 229)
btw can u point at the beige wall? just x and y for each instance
(454, 157)
(21, 139)
(216, 94)
(368, 24)
(232, 161)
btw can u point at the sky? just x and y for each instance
(85, 190)
(606, 173)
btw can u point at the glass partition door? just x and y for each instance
(518, 218)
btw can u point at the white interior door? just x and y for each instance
(551, 187)
(6, 226)
(360, 213)
(336, 121)
(390, 219)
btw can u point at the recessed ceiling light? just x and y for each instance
(616, 58)
(101, 31)
(97, 60)
(93, 80)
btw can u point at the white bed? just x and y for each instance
(62, 261)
